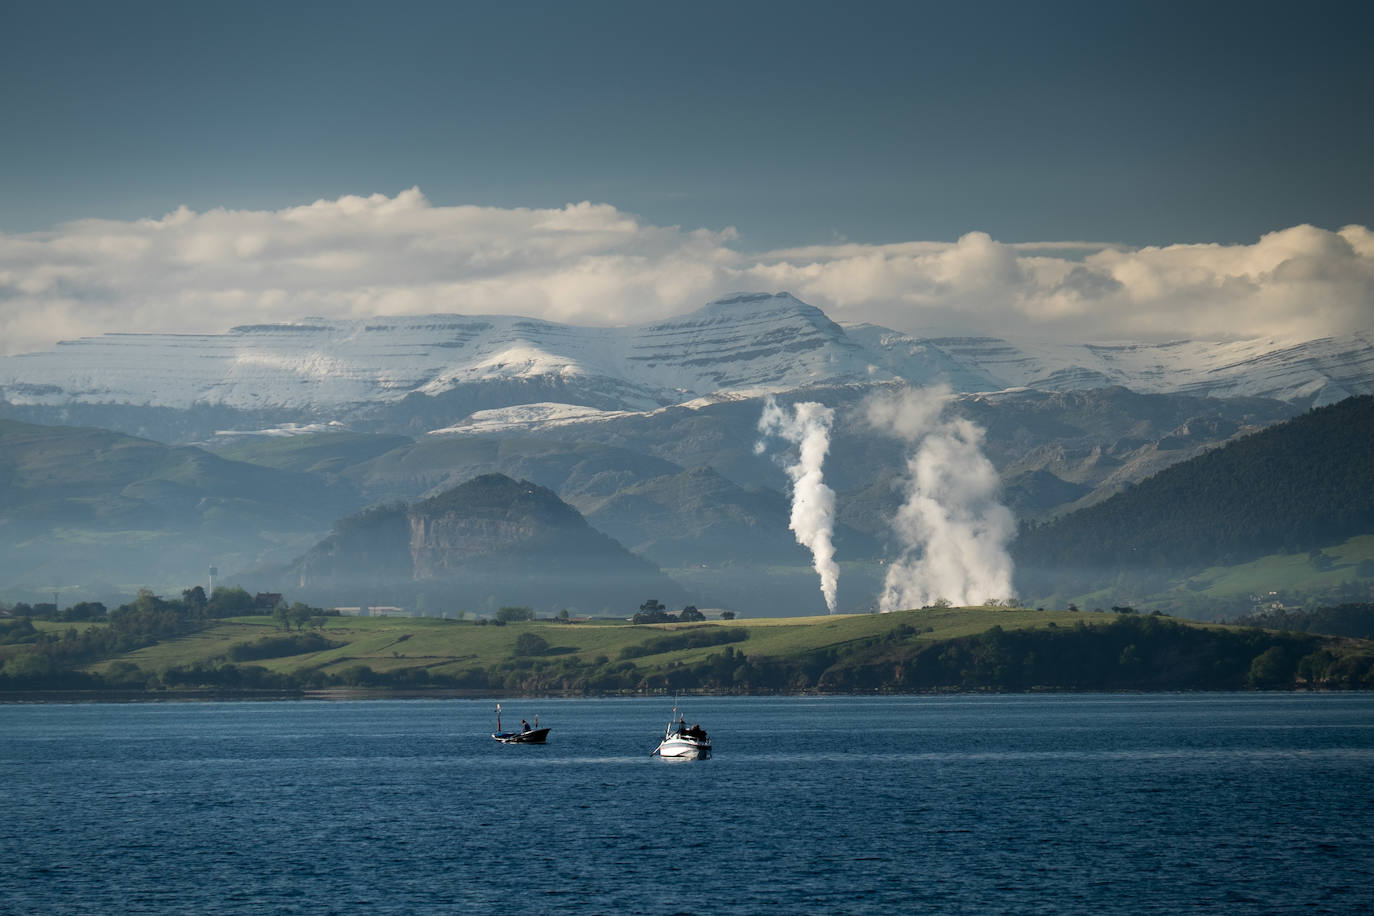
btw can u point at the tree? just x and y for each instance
(727, 615)
(690, 614)
(194, 598)
(510, 614)
(530, 644)
(85, 610)
(147, 602)
(652, 611)
(1270, 668)
(230, 602)
(563, 615)
(300, 614)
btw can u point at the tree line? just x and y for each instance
(1132, 652)
(34, 659)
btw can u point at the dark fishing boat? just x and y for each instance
(526, 734)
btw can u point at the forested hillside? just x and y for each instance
(1297, 486)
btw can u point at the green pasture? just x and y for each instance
(1288, 573)
(389, 644)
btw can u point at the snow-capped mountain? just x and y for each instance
(740, 342)
(437, 370)
(1316, 372)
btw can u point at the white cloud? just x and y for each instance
(594, 264)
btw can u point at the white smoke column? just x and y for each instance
(813, 503)
(952, 528)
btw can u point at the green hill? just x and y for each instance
(1296, 487)
(153, 647)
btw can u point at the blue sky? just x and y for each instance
(794, 122)
(190, 166)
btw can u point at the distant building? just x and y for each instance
(375, 610)
(378, 610)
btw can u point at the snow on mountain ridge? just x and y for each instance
(774, 341)
(1321, 371)
(744, 342)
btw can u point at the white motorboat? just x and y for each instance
(683, 742)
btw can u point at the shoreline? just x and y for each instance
(21, 697)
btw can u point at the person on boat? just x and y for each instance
(524, 726)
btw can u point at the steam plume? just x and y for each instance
(952, 528)
(813, 503)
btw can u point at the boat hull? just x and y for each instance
(533, 736)
(684, 749)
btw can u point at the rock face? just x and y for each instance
(495, 522)
(488, 542)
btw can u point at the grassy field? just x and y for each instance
(1288, 573)
(1293, 579)
(390, 644)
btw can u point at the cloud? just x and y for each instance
(594, 264)
(1298, 284)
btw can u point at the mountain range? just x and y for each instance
(421, 373)
(251, 444)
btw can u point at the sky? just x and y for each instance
(1099, 170)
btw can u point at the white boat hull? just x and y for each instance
(684, 749)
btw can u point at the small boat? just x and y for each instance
(526, 734)
(681, 742)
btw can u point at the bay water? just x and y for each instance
(1192, 803)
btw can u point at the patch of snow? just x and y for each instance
(544, 415)
(284, 431)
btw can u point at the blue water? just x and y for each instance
(1010, 804)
